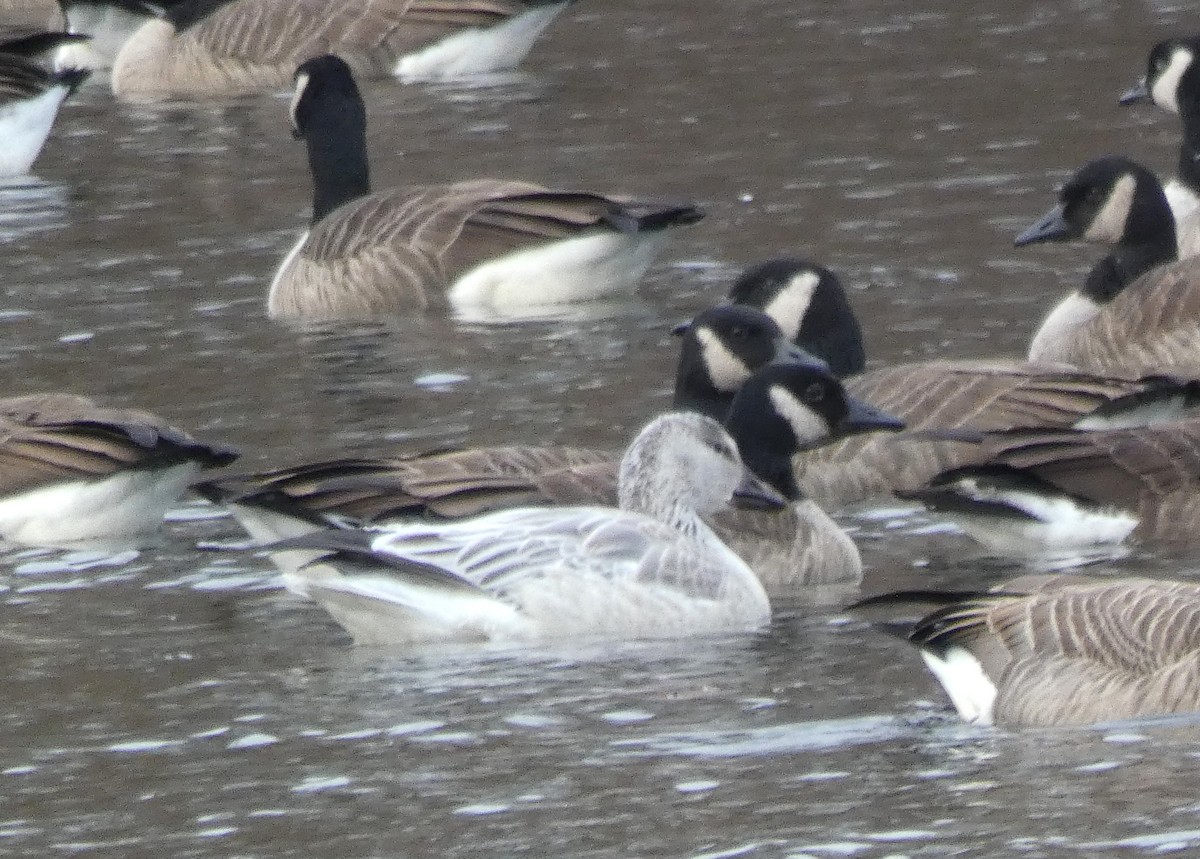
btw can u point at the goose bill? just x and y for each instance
(864, 417)
(753, 494)
(1049, 228)
(1139, 92)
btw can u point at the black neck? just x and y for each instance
(189, 12)
(337, 156)
(772, 466)
(1188, 169)
(694, 392)
(1123, 266)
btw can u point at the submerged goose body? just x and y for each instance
(1138, 311)
(217, 48)
(770, 420)
(1172, 82)
(1063, 650)
(929, 395)
(485, 245)
(72, 471)
(30, 97)
(648, 568)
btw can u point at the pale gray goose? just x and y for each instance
(1172, 82)
(72, 471)
(487, 245)
(1046, 651)
(30, 97)
(930, 395)
(1138, 311)
(219, 48)
(782, 407)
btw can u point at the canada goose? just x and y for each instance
(213, 48)
(1062, 490)
(1062, 650)
(649, 567)
(107, 25)
(487, 243)
(1134, 314)
(784, 406)
(29, 100)
(73, 471)
(930, 395)
(1172, 82)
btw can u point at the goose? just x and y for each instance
(30, 97)
(220, 48)
(1138, 311)
(73, 471)
(648, 568)
(786, 404)
(940, 395)
(1172, 82)
(1052, 651)
(487, 243)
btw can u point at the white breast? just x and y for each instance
(1071, 313)
(24, 127)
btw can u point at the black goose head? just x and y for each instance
(1116, 201)
(1172, 78)
(328, 113)
(810, 305)
(786, 407)
(721, 348)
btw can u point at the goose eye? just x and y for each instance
(814, 393)
(739, 332)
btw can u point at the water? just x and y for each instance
(175, 702)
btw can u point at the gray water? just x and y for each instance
(174, 702)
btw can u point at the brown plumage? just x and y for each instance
(946, 395)
(245, 46)
(1068, 651)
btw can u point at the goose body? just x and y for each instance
(72, 471)
(30, 97)
(221, 48)
(929, 395)
(796, 549)
(1138, 311)
(648, 568)
(482, 246)
(1060, 650)
(1172, 82)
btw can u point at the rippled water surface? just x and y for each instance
(173, 702)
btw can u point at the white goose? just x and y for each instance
(650, 568)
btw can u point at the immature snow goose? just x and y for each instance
(72, 471)
(649, 568)
(491, 244)
(1045, 651)
(219, 48)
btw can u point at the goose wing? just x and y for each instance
(369, 34)
(51, 437)
(1079, 653)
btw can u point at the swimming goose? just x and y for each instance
(1172, 82)
(29, 100)
(1135, 313)
(219, 48)
(1047, 651)
(785, 405)
(494, 244)
(73, 471)
(931, 395)
(649, 568)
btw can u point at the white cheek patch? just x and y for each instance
(301, 85)
(791, 303)
(726, 370)
(808, 426)
(1108, 225)
(1165, 91)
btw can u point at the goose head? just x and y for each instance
(328, 113)
(810, 305)
(682, 464)
(1172, 78)
(1116, 201)
(721, 348)
(787, 407)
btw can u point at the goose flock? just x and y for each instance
(717, 507)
